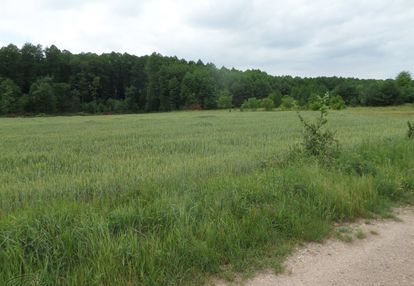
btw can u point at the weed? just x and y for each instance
(345, 237)
(360, 234)
(344, 233)
(344, 229)
(354, 163)
(317, 140)
(410, 132)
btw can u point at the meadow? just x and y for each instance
(178, 198)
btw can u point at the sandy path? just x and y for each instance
(384, 257)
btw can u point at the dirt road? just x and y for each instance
(384, 257)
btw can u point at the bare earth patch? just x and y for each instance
(381, 253)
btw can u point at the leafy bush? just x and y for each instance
(224, 100)
(276, 97)
(120, 106)
(10, 97)
(267, 104)
(288, 102)
(410, 133)
(251, 103)
(337, 102)
(315, 102)
(386, 93)
(42, 96)
(115, 106)
(90, 107)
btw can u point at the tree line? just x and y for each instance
(48, 80)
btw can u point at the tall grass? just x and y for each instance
(173, 199)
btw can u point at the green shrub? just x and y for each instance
(251, 103)
(267, 104)
(115, 106)
(276, 97)
(337, 102)
(317, 140)
(389, 188)
(224, 100)
(315, 103)
(90, 107)
(288, 102)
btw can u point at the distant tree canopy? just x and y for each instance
(37, 80)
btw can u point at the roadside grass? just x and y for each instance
(175, 199)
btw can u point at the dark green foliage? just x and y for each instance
(131, 99)
(276, 97)
(84, 82)
(224, 100)
(10, 64)
(406, 86)
(31, 65)
(386, 93)
(67, 99)
(42, 97)
(410, 132)
(348, 92)
(403, 79)
(11, 100)
(115, 106)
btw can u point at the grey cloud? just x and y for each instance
(229, 15)
(371, 38)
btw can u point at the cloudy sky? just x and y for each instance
(357, 38)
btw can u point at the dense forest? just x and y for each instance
(48, 80)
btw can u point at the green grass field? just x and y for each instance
(178, 198)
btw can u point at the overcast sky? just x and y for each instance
(356, 38)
